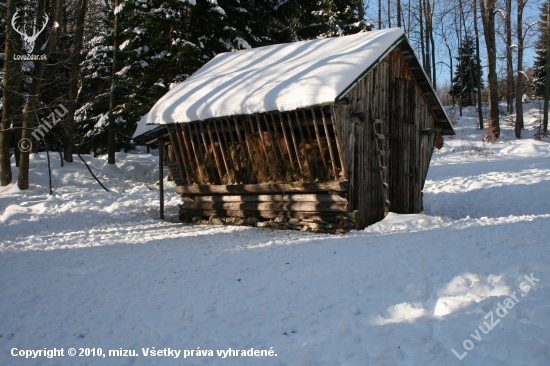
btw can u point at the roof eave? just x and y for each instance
(442, 120)
(146, 137)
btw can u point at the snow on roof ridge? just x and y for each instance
(199, 74)
(279, 77)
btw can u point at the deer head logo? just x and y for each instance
(28, 41)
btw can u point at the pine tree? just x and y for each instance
(539, 68)
(464, 84)
(163, 42)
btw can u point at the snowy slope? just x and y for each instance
(89, 268)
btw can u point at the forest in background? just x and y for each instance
(106, 62)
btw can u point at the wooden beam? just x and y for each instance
(176, 153)
(216, 157)
(268, 188)
(286, 142)
(236, 164)
(180, 146)
(250, 197)
(201, 128)
(302, 140)
(338, 146)
(268, 206)
(319, 140)
(226, 162)
(189, 155)
(246, 140)
(240, 140)
(276, 135)
(310, 138)
(297, 151)
(264, 149)
(324, 216)
(274, 143)
(196, 152)
(329, 146)
(155, 139)
(161, 179)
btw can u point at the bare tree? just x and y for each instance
(112, 103)
(33, 101)
(399, 13)
(10, 83)
(519, 87)
(430, 45)
(379, 14)
(73, 85)
(547, 84)
(488, 18)
(421, 25)
(478, 61)
(459, 31)
(389, 14)
(409, 19)
(450, 53)
(427, 56)
(509, 60)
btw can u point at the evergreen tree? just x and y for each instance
(163, 42)
(464, 84)
(539, 68)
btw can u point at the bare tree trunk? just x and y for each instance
(460, 63)
(399, 13)
(111, 142)
(389, 14)
(488, 17)
(428, 67)
(509, 60)
(478, 76)
(430, 7)
(409, 19)
(450, 61)
(434, 76)
(547, 84)
(427, 30)
(379, 14)
(421, 23)
(73, 86)
(519, 87)
(10, 83)
(470, 75)
(33, 102)
(472, 81)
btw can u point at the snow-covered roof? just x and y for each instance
(285, 77)
(143, 128)
(281, 77)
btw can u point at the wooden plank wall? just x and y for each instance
(410, 149)
(389, 93)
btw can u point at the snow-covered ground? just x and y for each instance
(86, 268)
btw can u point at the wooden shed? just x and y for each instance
(336, 130)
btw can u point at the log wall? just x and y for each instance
(312, 201)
